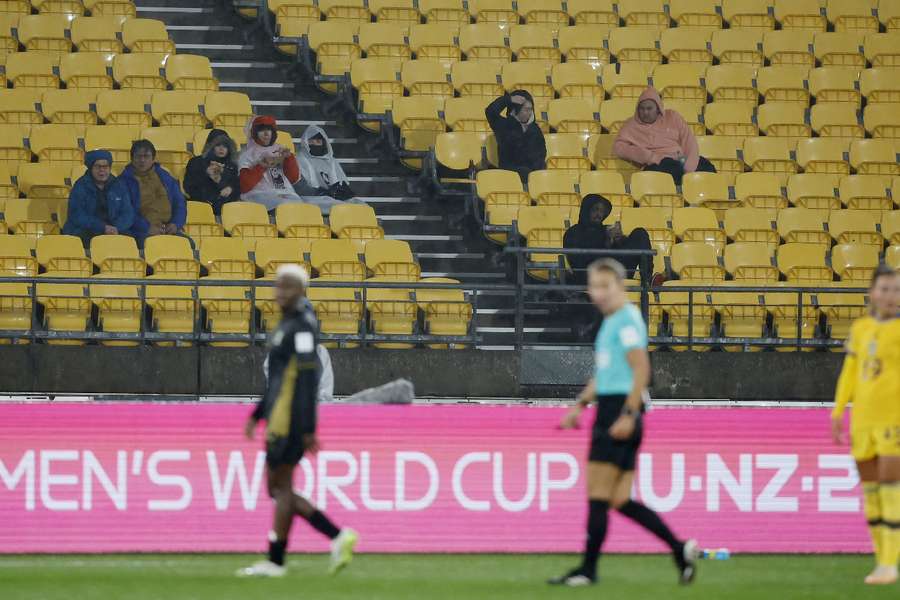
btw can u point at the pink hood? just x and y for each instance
(667, 137)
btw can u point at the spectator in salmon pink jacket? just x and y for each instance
(268, 170)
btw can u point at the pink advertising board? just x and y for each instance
(451, 478)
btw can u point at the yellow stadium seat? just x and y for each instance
(881, 121)
(124, 108)
(730, 119)
(484, 42)
(292, 20)
(890, 226)
(336, 47)
(803, 264)
(73, 107)
(97, 34)
(783, 119)
(892, 257)
(608, 184)
(385, 40)
(119, 310)
(435, 42)
(391, 260)
(339, 310)
(228, 310)
(115, 138)
(190, 72)
(67, 309)
(497, 187)
(585, 43)
(602, 156)
(62, 256)
(355, 222)
(16, 259)
(577, 80)
(550, 13)
(30, 217)
(542, 227)
(855, 227)
(680, 82)
(696, 261)
(786, 48)
(459, 150)
(395, 11)
(45, 33)
(613, 113)
(770, 155)
(140, 71)
(854, 262)
(835, 84)
(687, 45)
(837, 119)
(643, 13)
(686, 317)
(754, 14)
(530, 76)
(655, 189)
(171, 146)
(304, 221)
(337, 260)
(271, 253)
(752, 226)
(378, 83)
(882, 49)
(32, 70)
(567, 151)
(814, 191)
(534, 43)
(179, 108)
(447, 313)
(889, 14)
(345, 10)
(750, 263)
(7, 188)
(227, 109)
(201, 222)
(419, 120)
(723, 152)
(800, 14)
(444, 11)
(696, 13)
(626, 80)
(554, 188)
(8, 41)
(804, 225)
(741, 315)
(880, 85)
(426, 77)
(477, 79)
(639, 45)
(170, 257)
(841, 310)
(783, 84)
(41, 180)
(392, 312)
(467, 114)
(710, 190)
(824, 155)
(738, 47)
(574, 115)
(247, 220)
(111, 8)
(226, 258)
(593, 12)
(117, 256)
(86, 70)
(835, 49)
(698, 225)
(728, 83)
(502, 12)
(874, 157)
(852, 15)
(147, 35)
(783, 307)
(865, 192)
(56, 143)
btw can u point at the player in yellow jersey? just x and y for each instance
(870, 379)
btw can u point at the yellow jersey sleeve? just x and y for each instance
(847, 381)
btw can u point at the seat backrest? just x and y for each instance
(352, 215)
(49, 247)
(112, 246)
(684, 219)
(651, 182)
(240, 213)
(167, 246)
(272, 252)
(743, 218)
(746, 254)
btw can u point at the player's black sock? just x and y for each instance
(650, 521)
(276, 551)
(323, 524)
(598, 518)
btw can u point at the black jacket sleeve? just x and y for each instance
(195, 180)
(307, 386)
(538, 151)
(494, 110)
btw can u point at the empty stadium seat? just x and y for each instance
(784, 48)
(391, 260)
(783, 84)
(635, 45)
(738, 47)
(837, 119)
(804, 226)
(593, 12)
(732, 84)
(459, 150)
(655, 189)
(115, 138)
(227, 109)
(335, 46)
(680, 82)
(881, 121)
(710, 190)
(865, 192)
(86, 70)
(201, 222)
(880, 85)
(852, 15)
(123, 8)
(446, 311)
(730, 119)
(840, 311)
(696, 224)
(855, 227)
(800, 14)
(824, 155)
(355, 222)
(345, 10)
(803, 264)
(426, 77)
(378, 82)
(723, 152)
(554, 188)
(608, 184)
(484, 42)
(534, 43)
(45, 33)
(337, 260)
(226, 258)
(835, 84)
(627, 80)
(179, 108)
(696, 261)
(567, 151)
(874, 157)
(140, 71)
(881, 49)
(529, 76)
(444, 11)
(395, 11)
(62, 256)
(16, 259)
(32, 70)
(419, 120)
(385, 40)
(190, 72)
(117, 256)
(304, 221)
(585, 43)
(643, 13)
(247, 220)
(760, 190)
(435, 41)
(477, 79)
(814, 191)
(686, 45)
(97, 34)
(542, 227)
(147, 35)
(73, 107)
(42, 180)
(770, 155)
(750, 263)
(749, 13)
(752, 226)
(890, 227)
(124, 107)
(839, 49)
(467, 114)
(170, 257)
(854, 262)
(271, 253)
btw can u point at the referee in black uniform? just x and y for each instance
(289, 409)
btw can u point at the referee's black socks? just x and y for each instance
(598, 519)
(650, 521)
(323, 525)
(276, 551)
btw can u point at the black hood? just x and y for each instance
(524, 93)
(216, 137)
(588, 204)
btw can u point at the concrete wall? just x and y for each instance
(531, 373)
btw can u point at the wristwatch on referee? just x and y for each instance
(630, 412)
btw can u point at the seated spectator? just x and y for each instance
(212, 177)
(322, 179)
(268, 171)
(159, 206)
(660, 140)
(520, 142)
(99, 203)
(591, 233)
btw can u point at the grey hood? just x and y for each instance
(318, 171)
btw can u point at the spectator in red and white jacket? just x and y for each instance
(268, 171)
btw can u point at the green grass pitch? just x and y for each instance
(429, 577)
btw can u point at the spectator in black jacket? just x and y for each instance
(212, 177)
(520, 142)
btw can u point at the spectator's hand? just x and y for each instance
(170, 228)
(311, 443)
(615, 232)
(214, 171)
(271, 161)
(225, 191)
(155, 230)
(837, 431)
(622, 428)
(110, 230)
(517, 99)
(250, 428)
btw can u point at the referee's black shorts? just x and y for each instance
(605, 449)
(284, 450)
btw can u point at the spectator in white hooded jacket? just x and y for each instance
(322, 179)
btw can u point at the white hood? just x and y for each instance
(318, 171)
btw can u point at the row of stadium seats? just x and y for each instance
(60, 32)
(67, 307)
(70, 7)
(842, 15)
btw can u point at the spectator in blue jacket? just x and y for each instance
(159, 205)
(99, 203)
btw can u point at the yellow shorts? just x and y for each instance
(866, 444)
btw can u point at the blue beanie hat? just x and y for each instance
(94, 155)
